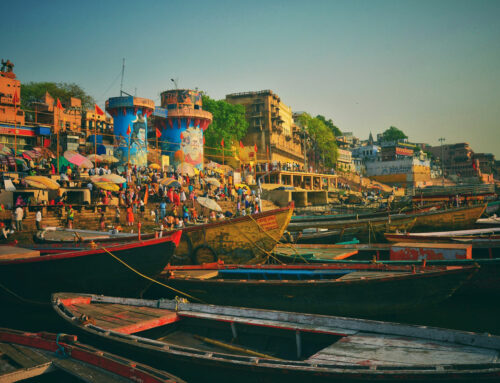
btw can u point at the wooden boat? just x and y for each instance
(449, 219)
(26, 276)
(65, 235)
(491, 221)
(445, 236)
(202, 342)
(247, 239)
(60, 358)
(366, 291)
(492, 207)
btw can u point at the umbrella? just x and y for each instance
(212, 181)
(186, 169)
(208, 203)
(154, 166)
(171, 182)
(35, 184)
(109, 159)
(94, 157)
(77, 159)
(49, 183)
(109, 186)
(5, 150)
(112, 178)
(212, 165)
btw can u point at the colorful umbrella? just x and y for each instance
(170, 182)
(209, 203)
(48, 182)
(212, 165)
(112, 178)
(154, 166)
(109, 186)
(77, 159)
(109, 159)
(212, 181)
(94, 157)
(5, 150)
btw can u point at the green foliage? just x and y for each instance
(329, 123)
(322, 136)
(228, 124)
(393, 134)
(35, 91)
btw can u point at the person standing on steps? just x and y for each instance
(38, 219)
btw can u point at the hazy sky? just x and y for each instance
(431, 68)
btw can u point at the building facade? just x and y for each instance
(271, 127)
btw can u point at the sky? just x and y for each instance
(430, 68)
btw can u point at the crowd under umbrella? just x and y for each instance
(78, 160)
(209, 203)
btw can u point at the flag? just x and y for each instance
(15, 99)
(255, 148)
(241, 145)
(158, 133)
(222, 143)
(59, 105)
(128, 130)
(98, 110)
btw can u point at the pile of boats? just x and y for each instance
(229, 299)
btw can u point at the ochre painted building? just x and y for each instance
(271, 127)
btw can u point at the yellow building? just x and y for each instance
(271, 127)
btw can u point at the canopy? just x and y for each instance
(77, 159)
(94, 157)
(212, 181)
(113, 178)
(109, 159)
(208, 203)
(109, 186)
(154, 166)
(186, 169)
(170, 182)
(48, 183)
(62, 162)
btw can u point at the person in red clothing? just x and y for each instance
(177, 199)
(130, 216)
(170, 195)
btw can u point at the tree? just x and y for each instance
(35, 92)
(322, 137)
(329, 123)
(393, 134)
(228, 122)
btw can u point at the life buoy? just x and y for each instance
(203, 250)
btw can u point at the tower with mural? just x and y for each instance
(130, 116)
(182, 129)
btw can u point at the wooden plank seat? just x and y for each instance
(14, 252)
(263, 274)
(124, 319)
(373, 349)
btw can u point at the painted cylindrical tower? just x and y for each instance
(130, 115)
(182, 130)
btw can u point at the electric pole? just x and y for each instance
(442, 157)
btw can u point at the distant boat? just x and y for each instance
(202, 342)
(25, 276)
(490, 234)
(60, 358)
(491, 221)
(366, 290)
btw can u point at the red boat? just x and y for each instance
(26, 276)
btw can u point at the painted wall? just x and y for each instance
(183, 143)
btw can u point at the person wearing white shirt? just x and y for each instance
(38, 219)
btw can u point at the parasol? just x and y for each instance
(49, 183)
(113, 178)
(154, 166)
(5, 150)
(212, 181)
(212, 165)
(109, 186)
(35, 184)
(209, 203)
(109, 159)
(186, 169)
(170, 182)
(77, 159)
(94, 157)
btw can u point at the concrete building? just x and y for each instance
(344, 160)
(271, 127)
(402, 172)
(457, 159)
(69, 118)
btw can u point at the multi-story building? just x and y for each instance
(394, 150)
(344, 160)
(457, 159)
(271, 127)
(68, 118)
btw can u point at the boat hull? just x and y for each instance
(32, 280)
(364, 297)
(450, 219)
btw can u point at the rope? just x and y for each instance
(25, 300)
(149, 278)
(278, 241)
(60, 349)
